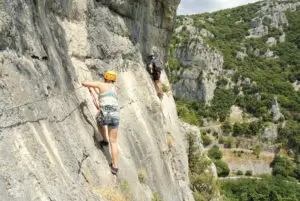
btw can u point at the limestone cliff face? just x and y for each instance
(271, 13)
(48, 136)
(202, 64)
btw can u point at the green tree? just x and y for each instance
(256, 151)
(282, 166)
(229, 142)
(240, 129)
(227, 127)
(222, 168)
(206, 140)
(265, 189)
(248, 173)
(239, 172)
(215, 153)
(173, 64)
(290, 135)
(255, 127)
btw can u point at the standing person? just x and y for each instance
(154, 70)
(109, 113)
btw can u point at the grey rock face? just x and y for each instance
(258, 32)
(195, 130)
(296, 85)
(270, 133)
(271, 41)
(241, 55)
(206, 33)
(282, 38)
(187, 128)
(48, 136)
(275, 110)
(270, 54)
(203, 66)
(274, 13)
(259, 29)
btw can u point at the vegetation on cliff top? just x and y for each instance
(202, 180)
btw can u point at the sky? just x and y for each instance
(202, 6)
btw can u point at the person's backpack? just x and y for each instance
(157, 67)
(158, 63)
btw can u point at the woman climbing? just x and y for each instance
(109, 113)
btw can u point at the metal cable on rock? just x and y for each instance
(39, 100)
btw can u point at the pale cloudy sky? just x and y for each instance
(201, 6)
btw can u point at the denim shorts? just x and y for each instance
(110, 119)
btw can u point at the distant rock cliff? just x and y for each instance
(202, 63)
(48, 136)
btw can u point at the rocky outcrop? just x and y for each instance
(275, 110)
(202, 65)
(259, 30)
(272, 14)
(269, 54)
(296, 85)
(195, 130)
(241, 55)
(197, 148)
(270, 133)
(236, 114)
(48, 136)
(271, 41)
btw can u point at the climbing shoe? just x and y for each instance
(114, 170)
(160, 95)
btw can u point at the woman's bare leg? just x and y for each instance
(113, 132)
(102, 130)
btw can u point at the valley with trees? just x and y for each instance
(249, 57)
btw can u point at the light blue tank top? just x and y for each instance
(108, 98)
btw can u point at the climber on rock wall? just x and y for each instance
(109, 113)
(154, 70)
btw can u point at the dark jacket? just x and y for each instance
(155, 71)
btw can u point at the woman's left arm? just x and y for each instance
(92, 84)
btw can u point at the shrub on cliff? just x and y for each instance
(215, 153)
(202, 181)
(289, 135)
(173, 64)
(282, 166)
(249, 173)
(222, 168)
(206, 140)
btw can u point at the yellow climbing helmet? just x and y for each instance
(110, 75)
